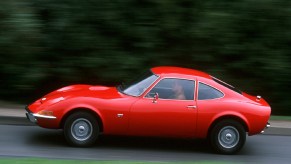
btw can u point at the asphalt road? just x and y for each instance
(33, 141)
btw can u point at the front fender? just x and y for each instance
(64, 108)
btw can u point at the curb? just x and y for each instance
(12, 111)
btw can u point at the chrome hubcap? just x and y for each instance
(81, 129)
(228, 137)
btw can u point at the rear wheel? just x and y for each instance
(227, 136)
(81, 129)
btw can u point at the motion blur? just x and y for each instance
(49, 44)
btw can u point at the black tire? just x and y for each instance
(81, 129)
(227, 136)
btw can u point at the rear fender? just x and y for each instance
(229, 115)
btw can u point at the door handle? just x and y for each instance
(191, 106)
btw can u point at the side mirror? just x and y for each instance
(156, 97)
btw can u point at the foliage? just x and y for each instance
(49, 44)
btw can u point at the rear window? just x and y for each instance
(206, 92)
(226, 85)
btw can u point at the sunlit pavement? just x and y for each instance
(13, 111)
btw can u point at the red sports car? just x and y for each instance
(163, 102)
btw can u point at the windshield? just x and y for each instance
(137, 86)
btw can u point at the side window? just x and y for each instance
(206, 92)
(170, 88)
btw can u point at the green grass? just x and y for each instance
(283, 118)
(56, 161)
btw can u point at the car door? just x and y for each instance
(170, 114)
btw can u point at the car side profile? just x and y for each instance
(163, 102)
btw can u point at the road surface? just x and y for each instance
(33, 141)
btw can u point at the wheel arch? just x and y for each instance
(224, 117)
(82, 109)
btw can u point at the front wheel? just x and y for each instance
(81, 129)
(227, 136)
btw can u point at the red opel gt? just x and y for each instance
(163, 102)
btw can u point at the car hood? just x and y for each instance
(71, 91)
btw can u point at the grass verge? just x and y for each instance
(281, 118)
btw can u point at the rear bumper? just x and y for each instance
(267, 126)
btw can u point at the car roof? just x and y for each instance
(169, 70)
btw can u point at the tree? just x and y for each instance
(48, 44)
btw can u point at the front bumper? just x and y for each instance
(30, 117)
(33, 117)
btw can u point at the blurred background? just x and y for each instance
(47, 44)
